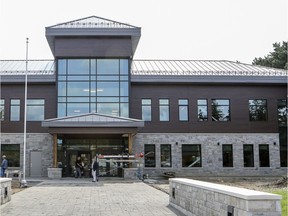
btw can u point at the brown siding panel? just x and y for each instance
(238, 95)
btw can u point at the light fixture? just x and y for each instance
(176, 143)
(274, 143)
(218, 143)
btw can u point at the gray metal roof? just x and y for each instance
(200, 68)
(35, 67)
(93, 22)
(93, 26)
(153, 68)
(93, 120)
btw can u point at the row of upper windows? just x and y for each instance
(192, 155)
(220, 110)
(35, 109)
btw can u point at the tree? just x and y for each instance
(275, 59)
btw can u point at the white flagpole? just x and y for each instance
(23, 182)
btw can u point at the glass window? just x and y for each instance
(93, 81)
(2, 109)
(282, 113)
(62, 66)
(108, 88)
(264, 160)
(78, 66)
(183, 109)
(248, 155)
(78, 89)
(166, 155)
(12, 152)
(227, 155)
(108, 108)
(258, 110)
(146, 109)
(202, 106)
(77, 108)
(124, 67)
(149, 155)
(15, 110)
(124, 88)
(62, 88)
(35, 109)
(220, 110)
(107, 66)
(191, 155)
(164, 109)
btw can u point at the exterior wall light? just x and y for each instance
(218, 143)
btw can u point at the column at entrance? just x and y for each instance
(55, 150)
(130, 143)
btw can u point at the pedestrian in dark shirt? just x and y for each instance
(79, 167)
(4, 165)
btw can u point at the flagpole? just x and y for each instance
(24, 182)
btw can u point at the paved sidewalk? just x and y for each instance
(82, 197)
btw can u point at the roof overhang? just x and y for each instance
(134, 33)
(93, 123)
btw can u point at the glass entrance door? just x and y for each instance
(108, 148)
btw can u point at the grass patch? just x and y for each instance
(283, 193)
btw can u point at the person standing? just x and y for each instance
(78, 166)
(95, 166)
(4, 165)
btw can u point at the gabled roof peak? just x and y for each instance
(92, 22)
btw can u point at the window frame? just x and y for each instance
(256, 107)
(221, 106)
(153, 164)
(18, 110)
(164, 107)
(261, 156)
(184, 105)
(162, 153)
(229, 160)
(246, 154)
(197, 153)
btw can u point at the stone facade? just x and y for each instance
(40, 142)
(211, 152)
(195, 198)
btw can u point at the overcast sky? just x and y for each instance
(184, 29)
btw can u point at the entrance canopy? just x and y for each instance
(93, 123)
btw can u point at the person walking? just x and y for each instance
(78, 165)
(95, 166)
(4, 165)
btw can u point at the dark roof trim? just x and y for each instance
(207, 79)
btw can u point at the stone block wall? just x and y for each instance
(212, 163)
(42, 142)
(5, 190)
(198, 198)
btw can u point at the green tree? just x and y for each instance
(275, 59)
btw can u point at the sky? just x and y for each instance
(234, 30)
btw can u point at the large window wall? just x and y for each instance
(93, 85)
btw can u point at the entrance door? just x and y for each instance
(35, 164)
(86, 159)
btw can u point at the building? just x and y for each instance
(203, 118)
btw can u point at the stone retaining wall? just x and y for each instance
(5, 190)
(196, 198)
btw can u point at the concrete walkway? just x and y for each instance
(82, 197)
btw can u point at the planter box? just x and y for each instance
(55, 173)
